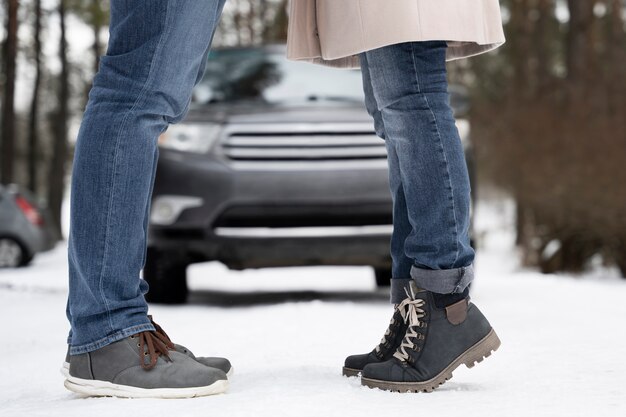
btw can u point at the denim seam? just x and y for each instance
(140, 97)
(419, 90)
(119, 335)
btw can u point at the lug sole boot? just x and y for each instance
(437, 341)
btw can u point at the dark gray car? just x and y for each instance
(276, 164)
(24, 229)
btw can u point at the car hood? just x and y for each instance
(253, 112)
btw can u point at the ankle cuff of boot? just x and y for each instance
(399, 287)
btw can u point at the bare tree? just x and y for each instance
(33, 136)
(60, 148)
(558, 90)
(8, 102)
(253, 22)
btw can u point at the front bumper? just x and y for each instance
(284, 215)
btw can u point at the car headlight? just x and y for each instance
(190, 138)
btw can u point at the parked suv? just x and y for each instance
(276, 164)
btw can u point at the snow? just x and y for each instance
(287, 332)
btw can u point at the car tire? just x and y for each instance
(166, 275)
(383, 277)
(12, 253)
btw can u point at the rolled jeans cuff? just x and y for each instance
(399, 288)
(443, 281)
(119, 335)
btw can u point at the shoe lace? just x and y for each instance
(153, 345)
(163, 336)
(414, 313)
(402, 309)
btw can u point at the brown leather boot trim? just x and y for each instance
(457, 312)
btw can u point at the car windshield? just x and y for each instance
(262, 75)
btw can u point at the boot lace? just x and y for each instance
(414, 313)
(402, 309)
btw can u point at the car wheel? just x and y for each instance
(167, 276)
(383, 276)
(12, 254)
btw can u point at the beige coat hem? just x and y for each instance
(456, 50)
(335, 32)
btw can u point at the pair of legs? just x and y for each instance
(406, 92)
(434, 328)
(156, 53)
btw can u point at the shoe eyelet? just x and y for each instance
(138, 345)
(132, 337)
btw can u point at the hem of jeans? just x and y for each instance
(105, 341)
(398, 289)
(443, 281)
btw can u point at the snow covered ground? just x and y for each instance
(287, 332)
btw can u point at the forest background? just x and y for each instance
(548, 111)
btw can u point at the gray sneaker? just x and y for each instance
(222, 364)
(437, 341)
(142, 366)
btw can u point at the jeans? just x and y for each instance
(406, 93)
(156, 53)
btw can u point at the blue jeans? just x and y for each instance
(157, 52)
(406, 92)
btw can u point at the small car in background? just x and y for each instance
(276, 164)
(24, 227)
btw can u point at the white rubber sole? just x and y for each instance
(65, 370)
(95, 388)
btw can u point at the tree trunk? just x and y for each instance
(237, 18)
(579, 47)
(33, 136)
(8, 103)
(276, 30)
(97, 43)
(60, 148)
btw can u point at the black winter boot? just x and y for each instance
(354, 364)
(437, 341)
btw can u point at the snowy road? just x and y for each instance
(287, 332)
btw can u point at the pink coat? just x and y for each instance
(334, 32)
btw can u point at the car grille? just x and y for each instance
(303, 146)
